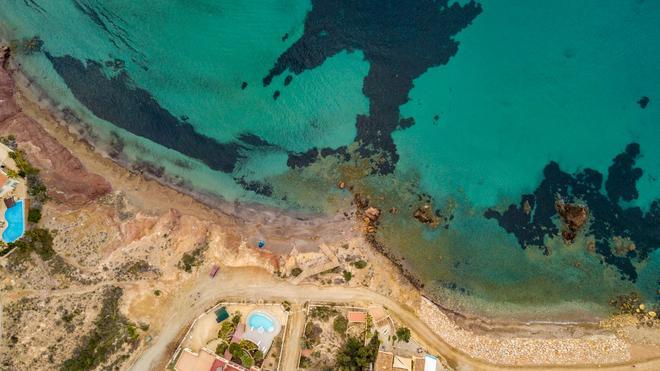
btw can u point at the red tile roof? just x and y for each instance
(218, 364)
(358, 317)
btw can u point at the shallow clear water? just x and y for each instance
(529, 82)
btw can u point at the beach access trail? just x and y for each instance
(253, 285)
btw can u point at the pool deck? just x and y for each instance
(261, 337)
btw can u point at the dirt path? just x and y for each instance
(256, 284)
(294, 332)
(17, 294)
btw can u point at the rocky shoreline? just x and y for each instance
(244, 213)
(241, 214)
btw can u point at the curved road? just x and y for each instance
(257, 284)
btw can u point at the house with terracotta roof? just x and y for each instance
(384, 361)
(206, 361)
(356, 317)
(418, 364)
(7, 184)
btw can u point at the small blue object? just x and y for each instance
(262, 243)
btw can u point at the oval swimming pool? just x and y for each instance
(15, 217)
(261, 321)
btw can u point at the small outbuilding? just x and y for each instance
(356, 317)
(221, 314)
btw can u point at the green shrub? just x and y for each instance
(305, 362)
(354, 355)
(323, 312)
(241, 354)
(192, 259)
(23, 165)
(226, 331)
(340, 324)
(5, 249)
(248, 346)
(34, 215)
(296, 271)
(403, 334)
(221, 348)
(235, 349)
(360, 264)
(12, 173)
(347, 276)
(39, 241)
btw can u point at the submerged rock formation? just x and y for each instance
(533, 219)
(573, 216)
(425, 214)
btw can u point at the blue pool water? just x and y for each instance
(15, 217)
(260, 320)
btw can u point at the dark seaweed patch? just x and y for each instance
(118, 100)
(400, 40)
(621, 184)
(532, 220)
(255, 186)
(643, 101)
(304, 159)
(253, 140)
(244, 85)
(287, 80)
(276, 94)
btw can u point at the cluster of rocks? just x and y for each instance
(632, 304)
(573, 217)
(369, 214)
(425, 214)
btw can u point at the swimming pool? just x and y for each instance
(15, 217)
(259, 320)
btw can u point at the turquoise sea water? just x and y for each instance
(530, 82)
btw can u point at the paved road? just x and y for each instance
(257, 284)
